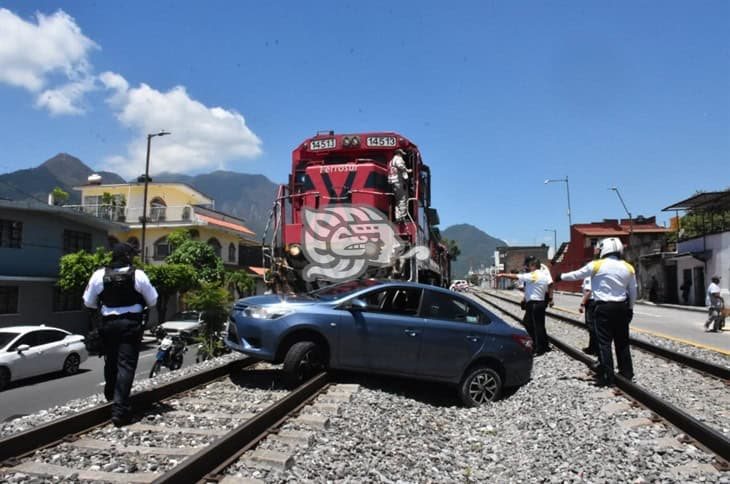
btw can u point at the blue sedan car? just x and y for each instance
(395, 328)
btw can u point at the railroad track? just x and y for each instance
(189, 430)
(702, 366)
(705, 435)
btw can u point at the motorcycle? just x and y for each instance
(169, 354)
(213, 348)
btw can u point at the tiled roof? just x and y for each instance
(224, 224)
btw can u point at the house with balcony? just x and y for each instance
(703, 247)
(33, 238)
(170, 206)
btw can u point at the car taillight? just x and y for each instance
(524, 341)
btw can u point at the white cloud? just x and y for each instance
(32, 52)
(202, 137)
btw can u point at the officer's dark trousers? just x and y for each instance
(591, 326)
(534, 321)
(122, 340)
(612, 325)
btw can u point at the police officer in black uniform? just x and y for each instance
(124, 291)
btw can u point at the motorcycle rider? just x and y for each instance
(123, 291)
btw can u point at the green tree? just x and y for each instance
(200, 256)
(178, 237)
(76, 269)
(212, 301)
(169, 279)
(454, 251)
(241, 282)
(60, 196)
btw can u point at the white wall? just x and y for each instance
(717, 265)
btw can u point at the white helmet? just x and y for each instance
(610, 245)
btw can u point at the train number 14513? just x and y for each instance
(380, 141)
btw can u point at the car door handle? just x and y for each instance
(472, 338)
(410, 332)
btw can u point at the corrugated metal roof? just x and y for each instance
(703, 201)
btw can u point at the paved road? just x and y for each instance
(31, 395)
(678, 324)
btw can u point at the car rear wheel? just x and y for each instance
(71, 365)
(480, 386)
(302, 361)
(4, 378)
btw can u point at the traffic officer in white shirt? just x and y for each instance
(124, 291)
(538, 294)
(586, 306)
(613, 287)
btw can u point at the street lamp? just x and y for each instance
(631, 219)
(555, 240)
(144, 201)
(567, 190)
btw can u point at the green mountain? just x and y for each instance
(63, 170)
(477, 248)
(246, 196)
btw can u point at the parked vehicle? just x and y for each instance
(396, 328)
(27, 351)
(169, 354)
(212, 349)
(186, 324)
(459, 285)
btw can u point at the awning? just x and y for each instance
(259, 271)
(703, 255)
(703, 201)
(224, 224)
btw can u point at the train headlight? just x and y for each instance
(356, 141)
(346, 141)
(294, 250)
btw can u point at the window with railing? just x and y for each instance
(213, 242)
(162, 248)
(8, 299)
(74, 241)
(11, 234)
(158, 210)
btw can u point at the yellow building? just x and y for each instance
(170, 206)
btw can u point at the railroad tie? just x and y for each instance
(132, 449)
(42, 469)
(240, 480)
(175, 430)
(295, 438)
(316, 421)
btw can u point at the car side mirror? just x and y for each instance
(22, 348)
(357, 305)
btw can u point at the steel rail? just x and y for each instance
(213, 457)
(17, 445)
(712, 369)
(715, 441)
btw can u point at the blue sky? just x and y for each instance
(498, 95)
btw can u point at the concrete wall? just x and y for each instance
(35, 306)
(42, 243)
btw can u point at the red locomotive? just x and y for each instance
(331, 170)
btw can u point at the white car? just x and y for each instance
(459, 285)
(186, 324)
(27, 351)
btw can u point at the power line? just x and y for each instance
(22, 191)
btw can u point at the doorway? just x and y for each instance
(699, 273)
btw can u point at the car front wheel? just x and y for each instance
(302, 361)
(480, 386)
(71, 365)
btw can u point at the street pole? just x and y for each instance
(567, 191)
(631, 219)
(555, 240)
(144, 201)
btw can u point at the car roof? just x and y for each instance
(28, 328)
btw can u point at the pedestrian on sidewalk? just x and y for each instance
(613, 286)
(716, 306)
(124, 291)
(685, 287)
(538, 285)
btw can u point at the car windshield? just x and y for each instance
(6, 338)
(343, 289)
(185, 316)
